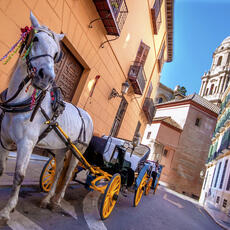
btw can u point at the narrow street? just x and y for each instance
(81, 210)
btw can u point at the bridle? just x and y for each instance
(29, 41)
(24, 106)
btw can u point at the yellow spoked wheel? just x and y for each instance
(140, 190)
(110, 196)
(148, 186)
(47, 175)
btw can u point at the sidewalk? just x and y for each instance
(219, 217)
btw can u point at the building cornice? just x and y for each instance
(169, 6)
(215, 75)
(187, 102)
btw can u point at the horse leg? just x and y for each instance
(59, 155)
(3, 155)
(56, 200)
(25, 148)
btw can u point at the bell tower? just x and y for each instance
(216, 80)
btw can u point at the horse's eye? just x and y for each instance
(55, 55)
(35, 39)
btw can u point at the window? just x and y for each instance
(218, 200)
(217, 174)
(148, 135)
(213, 176)
(219, 61)
(211, 89)
(165, 153)
(198, 121)
(160, 100)
(161, 58)
(225, 203)
(228, 59)
(223, 174)
(206, 92)
(142, 54)
(156, 15)
(119, 118)
(228, 184)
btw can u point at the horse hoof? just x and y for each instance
(44, 204)
(55, 207)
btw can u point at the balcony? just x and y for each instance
(113, 14)
(149, 109)
(225, 142)
(137, 78)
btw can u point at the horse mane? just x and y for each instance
(13, 69)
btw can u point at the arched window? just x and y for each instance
(160, 100)
(219, 61)
(211, 89)
(228, 59)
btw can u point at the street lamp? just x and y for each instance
(124, 89)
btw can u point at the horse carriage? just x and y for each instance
(117, 165)
(32, 115)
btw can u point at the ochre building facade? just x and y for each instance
(141, 34)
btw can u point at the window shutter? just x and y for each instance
(156, 15)
(161, 58)
(142, 54)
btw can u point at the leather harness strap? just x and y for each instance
(82, 127)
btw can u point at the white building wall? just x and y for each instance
(177, 113)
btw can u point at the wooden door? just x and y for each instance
(68, 73)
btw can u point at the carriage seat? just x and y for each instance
(95, 151)
(135, 160)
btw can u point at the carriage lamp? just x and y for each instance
(124, 89)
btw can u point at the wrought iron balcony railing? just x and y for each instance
(113, 14)
(137, 78)
(149, 109)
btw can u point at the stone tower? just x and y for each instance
(215, 81)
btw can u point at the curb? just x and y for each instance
(213, 217)
(33, 157)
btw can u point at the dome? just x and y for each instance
(226, 40)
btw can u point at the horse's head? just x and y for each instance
(45, 51)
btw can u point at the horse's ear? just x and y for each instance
(60, 36)
(34, 20)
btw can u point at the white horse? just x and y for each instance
(18, 131)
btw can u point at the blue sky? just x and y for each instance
(199, 28)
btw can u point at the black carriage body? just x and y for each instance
(99, 146)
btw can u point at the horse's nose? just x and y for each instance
(45, 75)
